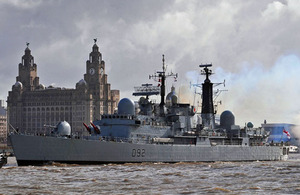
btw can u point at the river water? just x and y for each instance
(260, 177)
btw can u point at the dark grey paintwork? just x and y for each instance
(53, 149)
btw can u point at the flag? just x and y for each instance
(287, 133)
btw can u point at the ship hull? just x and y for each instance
(37, 150)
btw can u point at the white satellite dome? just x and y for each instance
(126, 106)
(63, 128)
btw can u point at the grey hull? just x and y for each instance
(31, 150)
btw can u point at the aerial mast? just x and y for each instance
(161, 75)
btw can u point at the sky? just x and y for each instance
(253, 45)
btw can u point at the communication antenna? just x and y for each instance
(146, 90)
(207, 72)
(161, 76)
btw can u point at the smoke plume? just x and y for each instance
(256, 93)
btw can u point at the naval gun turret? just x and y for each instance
(62, 128)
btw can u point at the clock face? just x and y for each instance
(92, 71)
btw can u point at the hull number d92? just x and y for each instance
(138, 153)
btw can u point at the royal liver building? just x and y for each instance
(31, 105)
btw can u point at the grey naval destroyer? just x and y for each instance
(149, 132)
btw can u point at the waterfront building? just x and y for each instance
(278, 132)
(3, 123)
(31, 105)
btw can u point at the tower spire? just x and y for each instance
(28, 71)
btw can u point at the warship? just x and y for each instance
(145, 131)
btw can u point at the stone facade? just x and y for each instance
(31, 105)
(3, 123)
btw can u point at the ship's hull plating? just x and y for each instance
(36, 150)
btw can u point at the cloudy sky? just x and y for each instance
(253, 45)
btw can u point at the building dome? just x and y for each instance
(41, 86)
(18, 84)
(126, 106)
(171, 98)
(82, 82)
(174, 99)
(95, 48)
(27, 51)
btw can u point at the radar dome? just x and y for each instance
(227, 119)
(250, 125)
(126, 106)
(63, 128)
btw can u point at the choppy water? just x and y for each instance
(262, 177)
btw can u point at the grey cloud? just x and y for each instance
(134, 34)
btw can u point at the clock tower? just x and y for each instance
(30, 104)
(28, 71)
(95, 70)
(96, 80)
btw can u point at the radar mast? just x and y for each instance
(161, 75)
(207, 110)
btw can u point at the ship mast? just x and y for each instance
(161, 75)
(207, 111)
